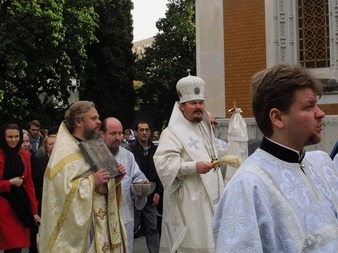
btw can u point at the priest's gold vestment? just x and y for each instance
(77, 217)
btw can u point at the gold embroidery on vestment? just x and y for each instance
(52, 172)
(101, 214)
(63, 215)
(105, 247)
(114, 221)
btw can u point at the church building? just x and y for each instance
(237, 38)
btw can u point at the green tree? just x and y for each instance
(42, 46)
(108, 79)
(171, 56)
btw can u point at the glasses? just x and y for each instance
(213, 123)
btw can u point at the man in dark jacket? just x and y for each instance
(35, 138)
(144, 149)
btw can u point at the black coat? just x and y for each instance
(146, 163)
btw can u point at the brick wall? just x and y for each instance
(329, 109)
(244, 50)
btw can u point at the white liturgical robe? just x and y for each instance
(271, 205)
(335, 160)
(130, 199)
(189, 197)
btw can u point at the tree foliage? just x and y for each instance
(171, 56)
(108, 79)
(42, 46)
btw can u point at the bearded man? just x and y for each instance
(192, 186)
(80, 206)
(112, 134)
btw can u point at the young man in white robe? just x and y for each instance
(192, 186)
(112, 134)
(282, 199)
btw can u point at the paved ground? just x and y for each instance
(139, 246)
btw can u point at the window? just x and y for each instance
(314, 44)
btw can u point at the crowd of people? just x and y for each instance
(281, 198)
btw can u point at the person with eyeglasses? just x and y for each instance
(144, 149)
(192, 186)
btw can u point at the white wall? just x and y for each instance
(330, 132)
(210, 53)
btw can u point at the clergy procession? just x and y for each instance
(88, 188)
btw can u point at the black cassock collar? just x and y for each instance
(281, 152)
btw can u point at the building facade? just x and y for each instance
(244, 37)
(139, 47)
(237, 38)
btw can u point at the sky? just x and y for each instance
(145, 14)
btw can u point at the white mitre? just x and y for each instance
(190, 88)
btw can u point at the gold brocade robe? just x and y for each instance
(75, 216)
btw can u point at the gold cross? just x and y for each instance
(105, 247)
(101, 214)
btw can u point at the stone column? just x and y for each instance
(210, 53)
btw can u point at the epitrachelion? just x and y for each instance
(99, 156)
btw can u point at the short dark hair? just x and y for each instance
(141, 122)
(275, 87)
(34, 123)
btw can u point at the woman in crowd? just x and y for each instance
(48, 144)
(37, 177)
(18, 205)
(128, 136)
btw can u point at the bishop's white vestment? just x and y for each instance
(189, 198)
